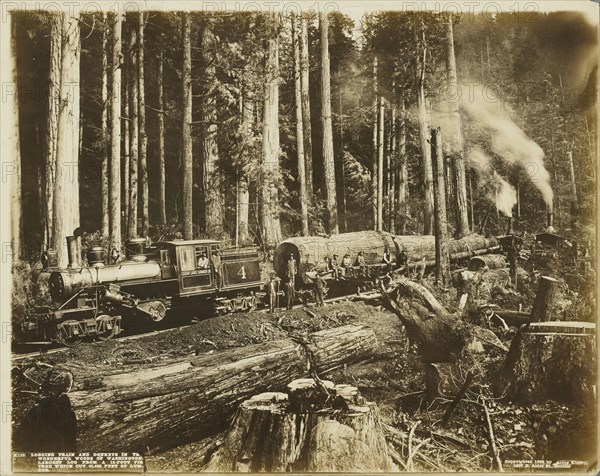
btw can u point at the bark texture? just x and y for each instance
(442, 250)
(328, 157)
(158, 407)
(299, 129)
(274, 432)
(143, 138)
(422, 117)
(186, 126)
(214, 205)
(115, 156)
(162, 189)
(306, 117)
(457, 160)
(271, 227)
(66, 194)
(132, 215)
(104, 127)
(551, 361)
(52, 128)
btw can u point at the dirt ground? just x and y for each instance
(393, 378)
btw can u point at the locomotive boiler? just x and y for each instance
(95, 301)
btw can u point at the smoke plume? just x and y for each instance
(508, 141)
(502, 193)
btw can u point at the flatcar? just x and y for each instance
(95, 301)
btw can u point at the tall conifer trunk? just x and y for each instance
(271, 228)
(133, 134)
(214, 205)
(52, 127)
(66, 195)
(186, 126)
(423, 139)
(143, 138)
(458, 160)
(115, 137)
(105, 134)
(299, 129)
(162, 193)
(306, 117)
(328, 157)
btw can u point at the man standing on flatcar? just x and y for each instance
(360, 261)
(292, 269)
(334, 266)
(347, 265)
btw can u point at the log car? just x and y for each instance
(407, 251)
(96, 300)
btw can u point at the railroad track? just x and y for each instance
(366, 296)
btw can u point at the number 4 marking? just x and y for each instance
(242, 273)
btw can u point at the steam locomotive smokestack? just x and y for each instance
(509, 231)
(550, 222)
(73, 252)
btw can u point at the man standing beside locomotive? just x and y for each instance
(320, 288)
(272, 291)
(217, 267)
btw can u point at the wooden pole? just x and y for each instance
(375, 126)
(380, 136)
(574, 204)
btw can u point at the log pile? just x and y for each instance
(161, 406)
(315, 426)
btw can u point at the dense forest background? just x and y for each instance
(527, 82)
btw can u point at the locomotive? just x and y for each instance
(93, 301)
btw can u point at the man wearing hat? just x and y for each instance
(334, 266)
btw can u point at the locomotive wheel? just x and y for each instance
(64, 337)
(103, 322)
(251, 303)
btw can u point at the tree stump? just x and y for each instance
(551, 361)
(545, 301)
(315, 426)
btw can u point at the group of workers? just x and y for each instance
(203, 263)
(342, 270)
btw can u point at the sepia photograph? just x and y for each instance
(265, 237)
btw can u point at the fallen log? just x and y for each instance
(440, 336)
(305, 430)
(487, 262)
(157, 407)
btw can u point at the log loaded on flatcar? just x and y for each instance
(407, 252)
(95, 301)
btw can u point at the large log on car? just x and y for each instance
(309, 251)
(158, 407)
